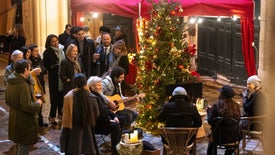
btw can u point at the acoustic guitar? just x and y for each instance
(117, 99)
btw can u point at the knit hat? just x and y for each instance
(227, 92)
(179, 91)
(255, 80)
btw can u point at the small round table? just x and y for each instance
(130, 148)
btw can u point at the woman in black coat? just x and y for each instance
(37, 62)
(253, 97)
(52, 57)
(69, 67)
(225, 107)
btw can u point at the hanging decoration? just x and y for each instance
(163, 58)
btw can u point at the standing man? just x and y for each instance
(102, 60)
(64, 36)
(121, 35)
(23, 125)
(86, 50)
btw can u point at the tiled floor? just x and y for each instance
(49, 144)
(253, 146)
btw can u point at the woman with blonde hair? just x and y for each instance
(69, 67)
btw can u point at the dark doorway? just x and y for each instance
(112, 21)
(220, 49)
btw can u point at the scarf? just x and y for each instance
(59, 53)
(61, 56)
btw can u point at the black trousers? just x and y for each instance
(126, 117)
(112, 128)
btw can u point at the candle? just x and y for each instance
(134, 137)
(126, 138)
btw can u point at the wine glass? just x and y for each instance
(38, 94)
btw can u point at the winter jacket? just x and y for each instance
(179, 112)
(23, 125)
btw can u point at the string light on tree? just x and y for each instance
(163, 58)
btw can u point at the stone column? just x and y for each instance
(266, 69)
(44, 17)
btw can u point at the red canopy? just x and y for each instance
(130, 8)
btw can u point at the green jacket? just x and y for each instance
(23, 125)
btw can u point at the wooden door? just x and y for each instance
(220, 49)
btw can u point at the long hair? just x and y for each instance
(18, 30)
(48, 40)
(227, 107)
(69, 50)
(120, 44)
(81, 98)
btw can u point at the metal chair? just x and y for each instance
(252, 128)
(226, 134)
(179, 141)
(101, 140)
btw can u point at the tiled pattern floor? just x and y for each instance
(49, 144)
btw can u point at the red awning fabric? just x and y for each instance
(130, 8)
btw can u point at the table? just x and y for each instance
(201, 132)
(130, 148)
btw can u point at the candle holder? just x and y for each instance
(130, 148)
(130, 138)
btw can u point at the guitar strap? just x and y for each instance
(119, 89)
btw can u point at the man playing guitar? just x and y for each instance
(111, 86)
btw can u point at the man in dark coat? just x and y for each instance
(64, 36)
(86, 50)
(23, 125)
(103, 62)
(180, 112)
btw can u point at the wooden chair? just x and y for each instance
(226, 134)
(252, 128)
(179, 140)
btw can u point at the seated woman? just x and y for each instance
(225, 107)
(253, 102)
(253, 97)
(107, 121)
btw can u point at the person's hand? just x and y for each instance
(37, 71)
(96, 56)
(112, 105)
(137, 97)
(39, 101)
(116, 119)
(245, 93)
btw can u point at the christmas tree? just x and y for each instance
(163, 58)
